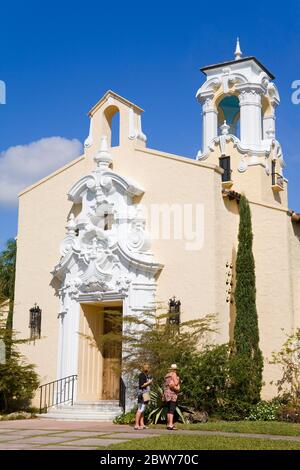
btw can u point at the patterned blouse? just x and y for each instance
(171, 379)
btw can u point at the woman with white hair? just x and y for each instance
(171, 390)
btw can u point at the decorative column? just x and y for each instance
(210, 121)
(269, 125)
(250, 115)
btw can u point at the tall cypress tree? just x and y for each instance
(247, 362)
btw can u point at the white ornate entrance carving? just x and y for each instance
(105, 254)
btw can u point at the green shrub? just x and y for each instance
(214, 381)
(126, 418)
(243, 386)
(18, 382)
(233, 410)
(264, 411)
(289, 412)
(205, 379)
(17, 415)
(289, 359)
(33, 410)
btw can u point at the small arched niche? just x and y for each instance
(112, 125)
(229, 111)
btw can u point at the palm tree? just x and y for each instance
(7, 278)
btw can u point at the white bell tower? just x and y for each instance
(240, 92)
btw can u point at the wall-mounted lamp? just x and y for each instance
(35, 321)
(174, 311)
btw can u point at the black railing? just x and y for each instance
(122, 396)
(57, 392)
(277, 180)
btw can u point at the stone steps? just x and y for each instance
(102, 410)
(97, 404)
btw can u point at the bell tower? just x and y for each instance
(239, 101)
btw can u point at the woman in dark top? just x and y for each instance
(143, 396)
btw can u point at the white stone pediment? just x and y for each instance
(106, 249)
(105, 181)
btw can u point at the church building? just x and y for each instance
(125, 226)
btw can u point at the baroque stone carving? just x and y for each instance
(106, 247)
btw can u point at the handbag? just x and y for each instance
(146, 396)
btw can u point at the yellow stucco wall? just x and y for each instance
(294, 248)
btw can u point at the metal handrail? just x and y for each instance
(57, 392)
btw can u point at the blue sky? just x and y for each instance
(58, 59)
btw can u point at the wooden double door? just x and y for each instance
(112, 354)
(100, 353)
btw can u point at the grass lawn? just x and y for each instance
(181, 442)
(278, 428)
(254, 427)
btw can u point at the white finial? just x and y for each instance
(103, 158)
(224, 128)
(238, 53)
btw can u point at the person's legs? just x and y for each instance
(170, 414)
(139, 417)
(142, 420)
(169, 420)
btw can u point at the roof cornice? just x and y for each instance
(112, 94)
(239, 61)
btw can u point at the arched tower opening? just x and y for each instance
(112, 125)
(229, 110)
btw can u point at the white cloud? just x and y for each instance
(22, 165)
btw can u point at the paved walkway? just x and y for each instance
(42, 434)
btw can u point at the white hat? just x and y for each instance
(173, 366)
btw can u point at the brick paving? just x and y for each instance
(42, 434)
